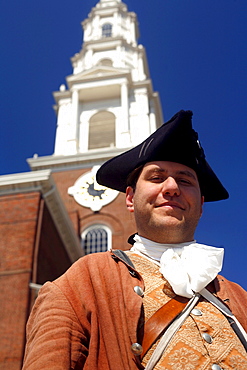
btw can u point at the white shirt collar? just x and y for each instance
(188, 267)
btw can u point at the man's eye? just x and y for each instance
(184, 181)
(156, 178)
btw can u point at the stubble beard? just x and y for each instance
(170, 230)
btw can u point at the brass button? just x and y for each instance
(196, 312)
(207, 338)
(216, 367)
(138, 290)
(137, 349)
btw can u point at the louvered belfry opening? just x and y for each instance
(102, 130)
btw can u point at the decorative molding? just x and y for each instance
(82, 160)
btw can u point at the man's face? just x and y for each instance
(166, 202)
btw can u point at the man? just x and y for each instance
(147, 308)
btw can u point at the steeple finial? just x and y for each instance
(109, 2)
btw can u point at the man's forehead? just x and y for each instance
(165, 166)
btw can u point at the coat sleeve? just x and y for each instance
(55, 337)
(235, 297)
(238, 302)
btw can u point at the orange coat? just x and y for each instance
(88, 318)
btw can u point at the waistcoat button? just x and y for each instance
(138, 290)
(137, 349)
(216, 367)
(196, 312)
(207, 338)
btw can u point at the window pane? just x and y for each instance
(107, 30)
(96, 240)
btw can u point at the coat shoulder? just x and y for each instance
(234, 296)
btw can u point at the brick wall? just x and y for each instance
(114, 215)
(30, 250)
(18, 222)
(52, 258)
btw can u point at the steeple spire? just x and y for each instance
(109, 104)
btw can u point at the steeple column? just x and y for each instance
(96, 28)
(74, 122)
(125, 114)
(125, 106)
(152, 117)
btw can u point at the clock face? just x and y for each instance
(88, 193)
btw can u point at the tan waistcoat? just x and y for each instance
(188, 350)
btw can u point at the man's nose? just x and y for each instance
(170, 187)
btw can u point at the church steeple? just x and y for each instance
(109, 103)
(111, 19)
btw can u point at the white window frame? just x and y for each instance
(94, 227)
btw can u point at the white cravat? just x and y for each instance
(188, 267)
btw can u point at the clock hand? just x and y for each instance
(95, 193)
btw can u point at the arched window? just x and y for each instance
(102, 130)
(105, 62)
(107, 30)
(96, 238)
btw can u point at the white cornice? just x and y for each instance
(58, 95)
(19, 182)
(90, 80)
(78, 160)
(43, 182)
(107, 8)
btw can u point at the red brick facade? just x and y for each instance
(114, 215)
(18, 224)
(31, 251)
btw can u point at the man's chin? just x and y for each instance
(170, 220)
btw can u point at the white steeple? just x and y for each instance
(109, 104)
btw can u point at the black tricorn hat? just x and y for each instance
(174, 141)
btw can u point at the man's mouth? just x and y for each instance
(171, 205)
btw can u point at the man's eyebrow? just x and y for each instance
(150, 171)
(180, 172)
(186, 173)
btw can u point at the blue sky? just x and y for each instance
(197, 59)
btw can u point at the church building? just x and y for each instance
(57, 212)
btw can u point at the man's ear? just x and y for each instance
(202, 202)
(129, 198)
